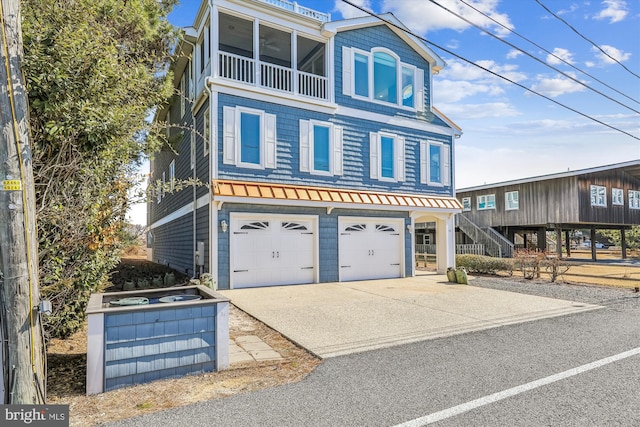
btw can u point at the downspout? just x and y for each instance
(213, 148)
(196, 273)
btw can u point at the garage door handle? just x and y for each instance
(394, 264)
(306, 268)
(240, 232)
(240, 271)
(345, 266)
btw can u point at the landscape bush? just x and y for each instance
(484, 264)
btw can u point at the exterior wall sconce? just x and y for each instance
(409, 229)
(224, 226)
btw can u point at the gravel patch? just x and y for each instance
(590, 294)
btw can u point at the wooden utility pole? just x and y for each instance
(22, 356)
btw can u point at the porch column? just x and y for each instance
(445, 243)
(623, 243)
(593, 244)
(567, 242)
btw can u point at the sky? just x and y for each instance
(508, 131)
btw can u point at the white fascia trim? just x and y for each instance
(179, 213)
(230, 87)
(393, 121)
(352, 206)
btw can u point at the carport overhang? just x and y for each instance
(441, 209)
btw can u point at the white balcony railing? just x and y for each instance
(271, 76)
(295, 7)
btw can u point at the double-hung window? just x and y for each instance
(466, 204)
(634, 199)
(380, 76)
(320, 148)
(386, 157)
(435, 161)
(617, 196)
(487, 201)
(511, 200)
(249, 138)
(598, 196)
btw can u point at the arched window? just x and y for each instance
(385, 77)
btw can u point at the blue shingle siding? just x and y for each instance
(165, 343)
(355, 151)
(328, 236)
(173, 244)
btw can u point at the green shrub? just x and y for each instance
(484, 264)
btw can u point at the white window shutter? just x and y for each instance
(229, 135)
(305, 131)
(347, 71)
(419, 90)
(445, 153)
(400, 159)
(374, 147)
(270, 141)
(337, 150)
(424, 161)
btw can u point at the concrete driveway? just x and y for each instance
(332, 319)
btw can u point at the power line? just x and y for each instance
(550, 53)
(489, 71)
(585, 37)
(533, 57)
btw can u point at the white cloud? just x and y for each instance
(613, 52)
(614, 11)
(513, 53)
(423, 16)
(556, 86)
(460, 112)
(458, 70)
(347, 11)
(447, 91)
(560, 53)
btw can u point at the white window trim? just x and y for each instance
(506, 200)
(464, 209)
(172, 175)
(307, 159)
(349, 78)
(614, 200)
(164, 181)
(182, 95)
(485, 197)
(375, 157)
(425, 163)
(634, 199)
(596, 204)
(206, 131)
(192, 160)
(232, 143)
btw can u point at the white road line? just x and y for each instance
(468, 406)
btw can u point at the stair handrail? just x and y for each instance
(505, 244)
(476, 234)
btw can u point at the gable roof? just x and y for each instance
(632, 168)
(394, 25)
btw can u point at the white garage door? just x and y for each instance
(270, 250)
(370, 248)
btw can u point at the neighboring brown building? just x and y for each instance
(605, 197)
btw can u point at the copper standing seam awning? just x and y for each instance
(282, 192)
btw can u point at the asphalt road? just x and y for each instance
(576, 370)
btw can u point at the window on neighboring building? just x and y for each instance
(387, 157)
(172, 175)
(466, 204)
(617, 196)
(634, 199)
(487, 201)
(434, 163)
(249, 138)
(598, 195)
(320, 148)
(511, 200)
(379, 75)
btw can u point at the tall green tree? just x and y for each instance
(95, 71)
